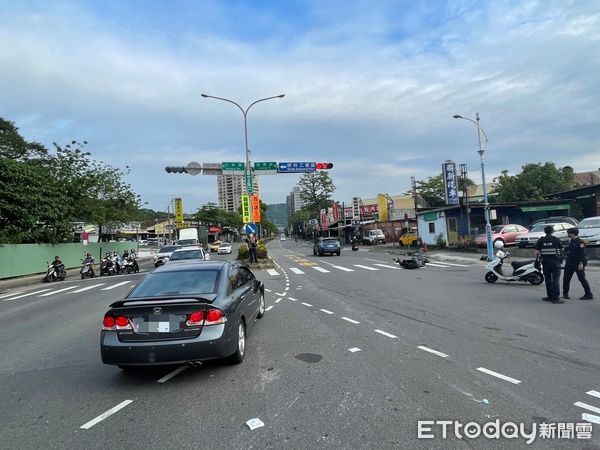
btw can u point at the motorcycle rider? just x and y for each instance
(549, 248)
(58, 265)
(576, 262)
(90, 259)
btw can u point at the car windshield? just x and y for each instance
(538, 229)
(188, 282)
(497, 229)
(187, 254)
(589, 223)
(168, 249)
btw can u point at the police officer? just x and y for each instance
(576, 262)
(550, 249)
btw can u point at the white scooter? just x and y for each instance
(527, 270)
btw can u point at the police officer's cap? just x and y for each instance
(549, 229)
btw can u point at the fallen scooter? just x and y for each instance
(528, 271)
(412, 260)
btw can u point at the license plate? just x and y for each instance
(159, 327)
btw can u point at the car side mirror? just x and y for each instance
(256, 285)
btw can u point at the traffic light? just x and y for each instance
(176, 169)
(324, 166)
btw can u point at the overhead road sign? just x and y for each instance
(194, 168)
(211, 169)
(233, 168)
(296, 167)
(265, 168)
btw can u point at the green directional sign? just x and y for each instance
(265, 165)
(248, 179)
(233, 168)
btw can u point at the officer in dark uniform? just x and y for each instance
(550, 249)
(576, 262)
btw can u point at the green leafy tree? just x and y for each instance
(534, 182)
(432, 189)
(211, 214)
(316, 189)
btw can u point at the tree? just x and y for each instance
(315, 191)
(432, 189)
(534, 182)
(211, 214)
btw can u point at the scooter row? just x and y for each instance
(113, 264)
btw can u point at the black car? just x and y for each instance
(184, 312)
(326, 245)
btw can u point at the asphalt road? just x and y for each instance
(437, 343)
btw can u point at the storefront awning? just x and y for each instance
(215, 230)
(544, 208)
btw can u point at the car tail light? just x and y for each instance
(214, 317)
(195, 318)
(116, 323)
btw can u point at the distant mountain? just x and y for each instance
(277, 214)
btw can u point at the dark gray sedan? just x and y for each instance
(180, 313)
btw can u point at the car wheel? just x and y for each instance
(338, 253)
(239, 354)
(261, 306)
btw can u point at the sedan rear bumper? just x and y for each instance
(213, 343)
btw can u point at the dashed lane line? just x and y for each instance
(47, 294)
(320, 269)
(170, 375)
(387, 266)
(105, 415)
(432, 351)
(452, 264)
(594, 394)
(115, 286)
(588, 407)
(279, 299)
(9, 295)
(355, 322)
(354, 350)
(267, 290)
(385, 333)
(25, 295)
(87, 288)
(292, 299)
(326, 311)
(272, 272)
(269, 308)
(307, 304)
(365, 267)
(499, 375)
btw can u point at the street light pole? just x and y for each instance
(486, 204)
(245, 113)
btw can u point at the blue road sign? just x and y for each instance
(296, 167)
(251, 228)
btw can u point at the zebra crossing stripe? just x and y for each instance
(9, 295)
(320, 269)
(59, 291)
(25, 295)
(296, 270)
(365, 267)
(344, 269)
(115, 286)
(387, 266)
(88, 288)
(272, 272)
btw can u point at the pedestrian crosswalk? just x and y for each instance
(60, 289)
(371, 266)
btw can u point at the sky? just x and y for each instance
(370, 86)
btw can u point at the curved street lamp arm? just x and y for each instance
(476, 124)
(262, 100)
(225, 100)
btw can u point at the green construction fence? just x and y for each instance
(27, 259)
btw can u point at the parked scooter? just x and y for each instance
(107, 266)
(527, 270)
(86, 271)
(55, 273)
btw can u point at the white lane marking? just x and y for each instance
(283, 294)
(354, 349)
(350, 320)
(279, 299)
(430, 350)
(115, 286)
(593, 393)
(88, 288)
(344, 269)
(9, 295)
(170, 375)
(25, 295)
(589, 407)
(326, 311)
(59, 291)
(296, 270)
(105, 415)
(387, 266)
(499, 375)
(272, 272)
(320, 269)
(435, 265)
(590, 418)
(292, 299)
(269, 308)
(385, 333)
(268, 290)
(375, 260)
(452, 264)
(286, 289)
(307, 304)
(365, 267)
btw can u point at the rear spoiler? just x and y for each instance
(148, 301)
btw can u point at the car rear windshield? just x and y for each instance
(589, 223)
(224, 245)
(187, 254)
(169, 249)
(188, 282)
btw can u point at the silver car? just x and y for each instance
(529, 239)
